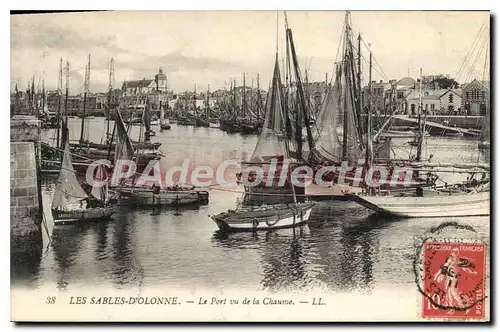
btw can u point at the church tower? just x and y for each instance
(161, 81)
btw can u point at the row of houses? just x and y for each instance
(405, 95)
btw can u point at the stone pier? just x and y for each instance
(25, 196)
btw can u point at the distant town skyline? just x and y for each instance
(213, 47)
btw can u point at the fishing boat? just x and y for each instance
(201, 122)
(131, 194)
(435, 203)
(214, 123)
(154, 121)
(105, 147)
(250, 128)
(273, 143)
(401, 134)
(186, 121)
(484, 145)
(164, 123)
(264, 218)
(468, 198)
(174, 196)
(71, 202)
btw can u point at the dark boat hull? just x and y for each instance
(148, 197)
(141, 145)
(83, 215)
(202, 123)
(249, 129)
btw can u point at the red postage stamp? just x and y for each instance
(453, 280)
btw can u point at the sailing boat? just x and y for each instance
(164, 123)
(470, 198)
(201, 119)
(130, 194)
(146, 120)
(272, 144)
(70, 200)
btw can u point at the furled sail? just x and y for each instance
(124, 148)
(271, 142)
(101, 193)
(68, 191)
(146, 118)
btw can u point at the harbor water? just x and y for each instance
(344, 246)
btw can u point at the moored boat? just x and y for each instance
(161, 197)
(483, 145)
(70, 200)
(470, 198)
(164, 123)
(437, 204)
(165, 126)
(265, 217)
(262, 211)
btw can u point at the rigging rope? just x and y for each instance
(470, 52)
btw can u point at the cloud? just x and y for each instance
(34, 32)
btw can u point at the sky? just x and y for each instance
(212, 47)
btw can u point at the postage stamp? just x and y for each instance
(452, 276)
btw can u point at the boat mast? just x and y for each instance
(244, 100)
(344, 65)
(32, 103)
(110, 89)
(300, 92)
(16, 101)
(43, 95)
(359, 74)
(235, 109)
(287, 107)
(258, 98)
(67, 94)
(85, 91)
(58, 116)
(207, 108)
(194, 101)
(420, 127)
(369, 146)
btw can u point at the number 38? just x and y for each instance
(50, 300)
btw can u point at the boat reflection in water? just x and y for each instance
(281, 254)
(338, 250)
(67, 244)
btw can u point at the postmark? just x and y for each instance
(450, 273)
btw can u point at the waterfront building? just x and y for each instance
(476, 97)
(145, 86)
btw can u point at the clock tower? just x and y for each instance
(161, 81)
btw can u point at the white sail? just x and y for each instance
(68, 192)
(101, 193)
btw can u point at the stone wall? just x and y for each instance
(25, 207)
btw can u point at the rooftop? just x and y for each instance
(137, 83)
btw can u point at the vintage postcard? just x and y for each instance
(263, 166)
